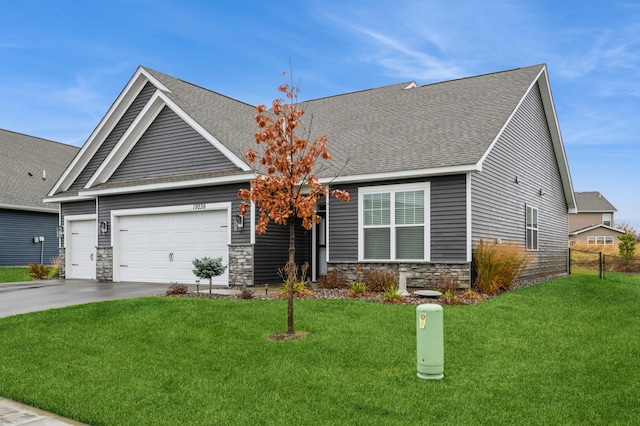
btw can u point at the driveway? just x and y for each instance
(20, 298)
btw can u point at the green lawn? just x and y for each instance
(563, 352)
(14, 274)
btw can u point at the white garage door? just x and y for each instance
(81, 249)
(161, 247)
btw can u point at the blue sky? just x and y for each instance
(63, 62)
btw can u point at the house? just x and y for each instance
(29, 166)
(593, 223)
(432, 170)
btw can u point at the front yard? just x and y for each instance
(561, 352)
(14, 274)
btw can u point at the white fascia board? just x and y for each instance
(405, 174)
(71, 198)
(556, 137)
(169, 185)
(28, 208)
(103, 129)
(600, 225)
(128, 140)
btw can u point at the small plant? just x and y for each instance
(38, 271)
(357, 289)
(392, 295)
(497, 266)
(299, 281)
(55, 267)
(450, 298)
(380, 280)
(207, 268)
(627, 244)
(176, 289)
(333, 279)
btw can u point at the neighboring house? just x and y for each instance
(593, 223)
(29, 166)
(431, 170)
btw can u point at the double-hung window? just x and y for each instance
(606, 219)
(394, 222)
(532, 228)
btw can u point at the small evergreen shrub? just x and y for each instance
(176, 289)
(497, 266)
(207, 268)
(38, 271)
(627, 244)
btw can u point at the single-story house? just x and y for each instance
(593, 221)
(431, 171)
(29, 166)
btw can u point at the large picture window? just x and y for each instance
(532, 228)
(394, 222)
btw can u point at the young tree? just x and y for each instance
(207, 268)
(627, 244)
(288, 188)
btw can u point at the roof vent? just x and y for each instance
(44, 175)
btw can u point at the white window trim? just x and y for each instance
(593, 240)
(537, 229)
(420, 186)
(604, 222)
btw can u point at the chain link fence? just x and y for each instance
(605, 266)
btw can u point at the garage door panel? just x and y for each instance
(161, 247)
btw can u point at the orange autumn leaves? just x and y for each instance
(290, 188)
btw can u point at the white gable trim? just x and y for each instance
(556, 137)
(140, 125)
(104, 128)
(600, 225)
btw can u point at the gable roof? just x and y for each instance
(436, 129)
(593, 201)
(591, 227)
(28, 168)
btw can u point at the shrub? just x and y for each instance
(357, 289)
(38, 271)
(333, 279)
(246, 293)
(444, 281)
(451, 298)
(627, 244)
(497, 266)
(176, 289)
(380, 280)
(207, 268)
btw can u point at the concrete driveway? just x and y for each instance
(20, 298)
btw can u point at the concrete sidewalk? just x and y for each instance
(13, 413)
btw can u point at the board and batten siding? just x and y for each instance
(118, 131)
(175, 197)
(520, 165)
(170, 147)
(17, 230)
(448, 219)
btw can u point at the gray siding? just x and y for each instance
(448, 220)
(525, 151)
(77, 208)
(17, 229)
(170, 146)
(177, 197)
(272, 252)
(115, 135)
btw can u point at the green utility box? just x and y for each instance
(430, 340)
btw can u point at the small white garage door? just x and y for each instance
(161, 247)
(81, 249)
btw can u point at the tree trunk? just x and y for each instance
(291, 276)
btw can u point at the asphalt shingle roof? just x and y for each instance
(23, 159)
(593, 201)
(382, 130)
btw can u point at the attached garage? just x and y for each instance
(81, 246)
(159, 244)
